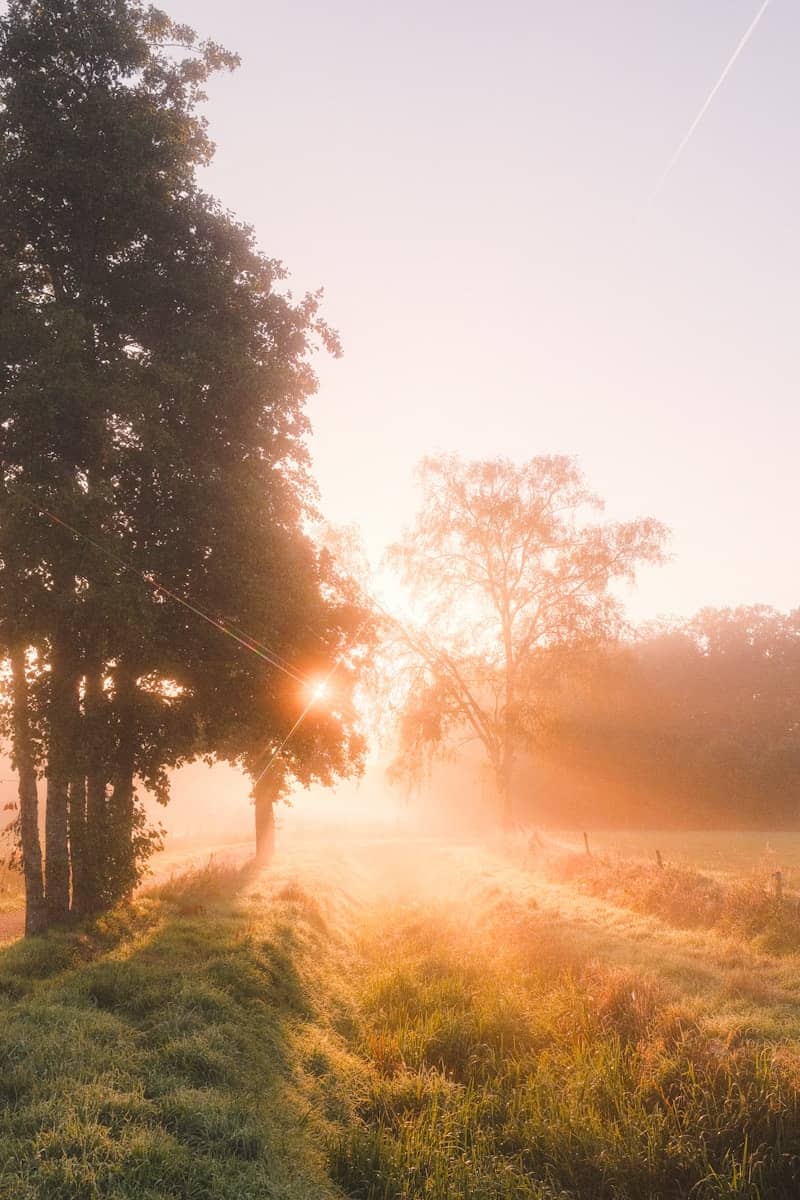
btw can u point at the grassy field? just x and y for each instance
(397, 1019)
(157, 1055)
(740, 854)
(12, 891)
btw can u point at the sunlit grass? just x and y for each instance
(509, 1064)
(310, 1035)
(153, 1056)
(734, 853)
(749, 908)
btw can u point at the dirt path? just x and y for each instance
(12, 925)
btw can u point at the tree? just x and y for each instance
(154, 482)
(686, 724)
(508, 569)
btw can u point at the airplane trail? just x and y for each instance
(709, 98)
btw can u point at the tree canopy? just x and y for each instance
(160, 596)
(691, 723)
(509, 565)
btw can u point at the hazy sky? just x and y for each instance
(469, 183)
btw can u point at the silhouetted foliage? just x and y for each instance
(153, 376)
(690, 724)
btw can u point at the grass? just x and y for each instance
(511, 1065)
(237, 1036)
(687, 898)
(722, 852)
(153, 1057)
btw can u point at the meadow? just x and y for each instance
(396, 1018)
(723, 852)
(12, 891)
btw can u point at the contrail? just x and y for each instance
(682, 146)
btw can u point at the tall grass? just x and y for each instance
(687, 898)
(153, 1056)
(230, 1037)
(506, 1065)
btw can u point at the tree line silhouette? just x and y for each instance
(686, 723)
(156, 573)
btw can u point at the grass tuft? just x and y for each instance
(687, 898)
(499, 1073)
(153, 1055)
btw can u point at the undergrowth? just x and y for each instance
(687, 898)
(153, 1055)
(507, 1066)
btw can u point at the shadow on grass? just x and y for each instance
(188, 893)
(151, 1054)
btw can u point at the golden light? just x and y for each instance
(318, 690)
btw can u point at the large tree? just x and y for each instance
(508, 566)
(156, 581)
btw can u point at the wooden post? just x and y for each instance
(659, 859)
(586, 843)
(778, 877)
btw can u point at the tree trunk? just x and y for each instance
(35, 910)
(507, 762)
(59, 771)
(505, 782)
(78, 847)
(56, 845)
(123, 856)
(265, 793)
(91, 857)
(121, 804)
(98, 838)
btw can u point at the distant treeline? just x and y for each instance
(691, 725)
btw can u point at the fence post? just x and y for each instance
(659, 859)
(586, 843)
(778, 877)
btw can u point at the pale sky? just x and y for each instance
(469, 183)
